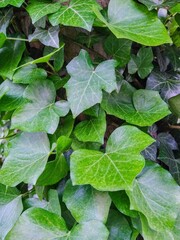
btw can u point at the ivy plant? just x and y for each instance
(89, 120)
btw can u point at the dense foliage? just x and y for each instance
(89, 119)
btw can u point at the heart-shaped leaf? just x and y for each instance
(140, 107)
(26, 160)
(115, 169)
(88, 82)
(39, 113)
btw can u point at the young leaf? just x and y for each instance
(48, 37)
(167, 84)
(77, 13)
(140, 107)
(57, 169)
(119, 49)
(88, 82)
(37, 223)
(39, 113)
(116, 169)
(118, 226)
(40, 8)
(12, 97)
(86, 203)
(160, 209)
(10, 56)
(131, 20)
(142, 63)
(10, 208)
(92, 130)
(26, 160)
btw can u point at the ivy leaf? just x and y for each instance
(12, 97)
(40, 113)
(10, 208)
(54, 204)
(167, 84)
(10, 56)
(157, 3)
(5, 17)
(15, 3)
(174, 104)
(88, 82)
(92, 130)
(86, 203)
(173, 54)
(140, 107)
(57, 169)
(29, 74)
(38, 223)
(88, 231)
(131, 20)
(38, 9)
(115, 169)
(26, 160)
(119, 49)
(2, 39)
(77, 13)
(118, 226)
(122, 203)
(160, 209)
(142, 63)
(48, 37)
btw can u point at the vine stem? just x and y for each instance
(174, 126)
(18, 39)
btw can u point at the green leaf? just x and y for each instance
(119, 49)
(54, 204)
(174, 104)
(142, 63)
(10, 56)
(39, 113)
(5, 17)
(131, 20)
(88, 231)
(12, 95)
(15, 3)
(86, 203)
(10, 208)
(48, 37)
(122, 203)
(77, 13)
(118, 226)
(88, 82)
(140, 107)
(29, 74)
(40, 8)
(116, 169)
(173, 54)
(37, 223)
(92, 130)
(66, 126)
(2, 39)
(160, 205)
(26, 160)
(167, 84)
(57, 169)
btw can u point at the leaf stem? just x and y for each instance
(174, 126)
